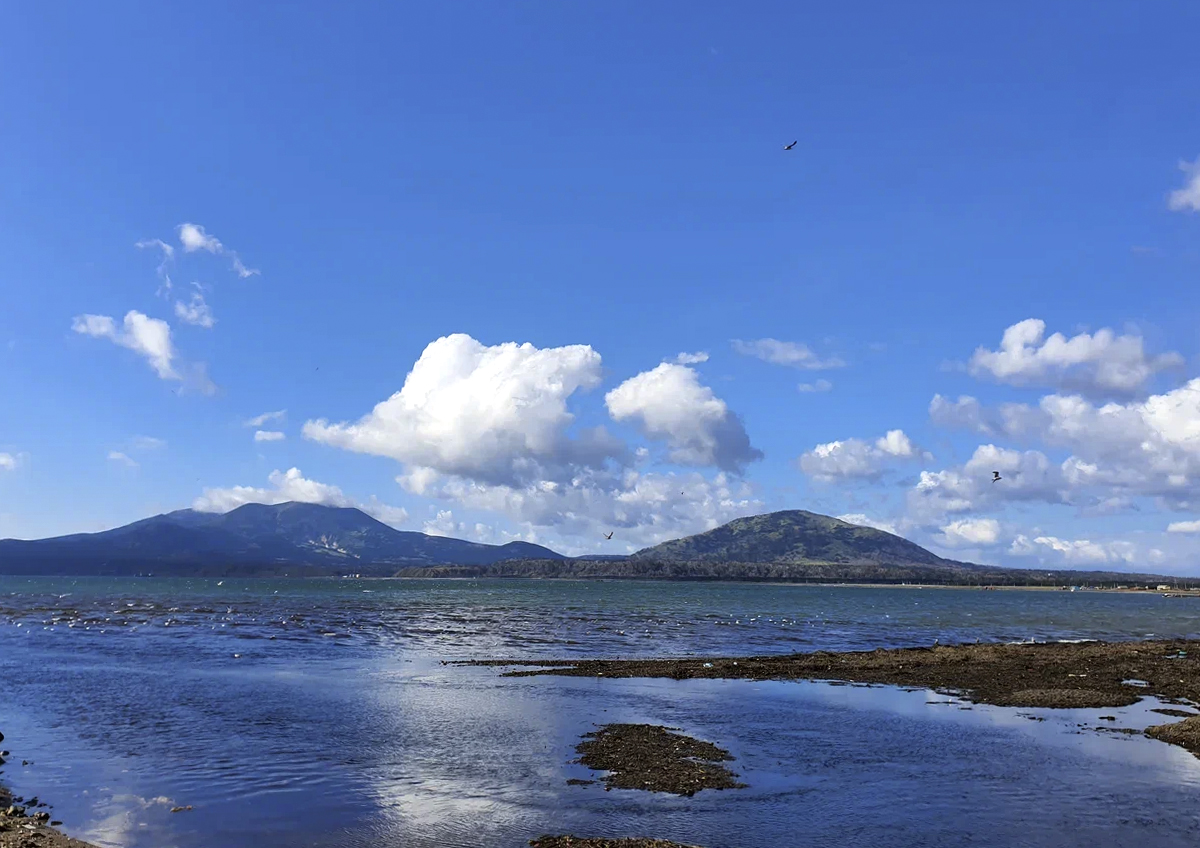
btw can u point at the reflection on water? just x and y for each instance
(129, 698)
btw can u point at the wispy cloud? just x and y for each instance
(818, 386)
(193, 237)
(790, 354)
(259, 420)
(147, 443)
(122, 458)
(196, 312)
(691, 358)
(269, 436)
(168, 253)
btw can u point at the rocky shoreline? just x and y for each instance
(1056, 675)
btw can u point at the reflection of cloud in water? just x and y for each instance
(469, 756)
(120, 817)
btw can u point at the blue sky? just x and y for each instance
(352, 194)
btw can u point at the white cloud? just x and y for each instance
(147, 443)
(690, 358)
(818, 386)
(971, 532)
(1074, 552)
(196, 312)
(443, 525)
(1184, 527)
(1025, 476)
(193, 237)
(856, 458)
(1141, 448)
(293, 486)
(670, 404)
(269, 436)
(792, 354)
(641, 509)
(496, 414)
(1188, 197)
(866, 521)
(117, 456)
(260, 420)
(7, 462)
(148, 337)
(168, 253)
(1104, 363)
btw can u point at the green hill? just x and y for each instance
(796, 537)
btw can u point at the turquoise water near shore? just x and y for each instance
(318, 713)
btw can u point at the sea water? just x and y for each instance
(320, 713)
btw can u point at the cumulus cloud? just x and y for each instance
(867, 521)
(791, 354)
(148, 337)
(269, 436)
(123, 459)
(1187, 198)
(7, 462)
(488, 428)
(260, 420)
(971, 532)
(1103, 364)
(1026, 476)
(818, 386)
(1184, 527)
(1118, 450)
(496, 414)
(293, 486)
(690, 358)
(195, 312)
(670, 404)
(193, 237)
(859, 459)
(641, 508)
(1082, 552)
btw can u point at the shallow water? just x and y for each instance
(336, 725)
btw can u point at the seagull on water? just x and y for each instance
(790, 146)
(995, 476)
(609, 536)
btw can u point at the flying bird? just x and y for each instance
(609, 536)
(995, 476)
(790, 146)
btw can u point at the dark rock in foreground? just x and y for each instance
(578, 842)
(649, 757)
(1185, 734)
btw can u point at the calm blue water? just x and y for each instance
(318, 713)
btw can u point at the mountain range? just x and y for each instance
(289, 538)
(301, 539)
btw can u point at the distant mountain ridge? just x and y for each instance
(298, 539)
(254, 538)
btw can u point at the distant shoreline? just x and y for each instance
(1081, 586)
